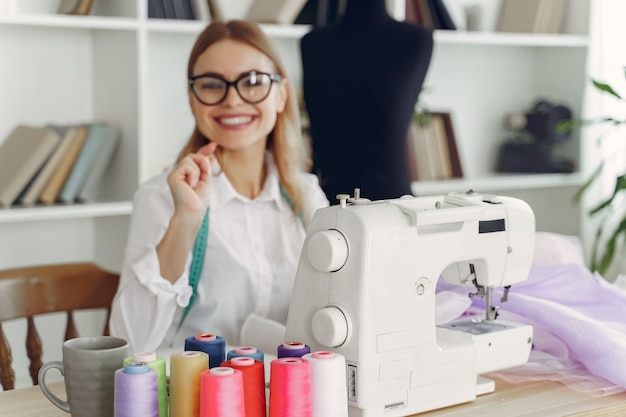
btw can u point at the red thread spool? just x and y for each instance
(290, 388)
(221, 393)
(253, 384)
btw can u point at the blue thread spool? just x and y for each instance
(212, 345)
(246, 352)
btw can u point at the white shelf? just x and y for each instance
(498, 182)
(195, 27)
(71, 22)
(451, 37)
(60, 212)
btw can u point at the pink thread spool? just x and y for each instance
(222, 393)
(290, 388)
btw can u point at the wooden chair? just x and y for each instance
(27, 292)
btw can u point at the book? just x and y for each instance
(226, 10)
(201, 10)
(31, 195)
(443, 18)
(183, 10)
(22, 154)
(97, 137)
(89, 191)
(156, 9)
(411, 154)
(53, 188)
(168, 8)
(425, 16)
(457, 12)
(442, 151)
(455, 159)
(77, 7)
(434, 152)
(550, 17)
(531, 16)
(411, 14)
(425, 151)
(275, 11)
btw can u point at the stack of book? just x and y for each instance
(260, 11)
(431, 149)
(54, 164)
(531, 16)
(432, 14)
(179, 9)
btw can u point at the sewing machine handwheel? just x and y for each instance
(327, 250)
(330, 327)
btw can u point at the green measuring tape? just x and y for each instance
(199, 248)
(197, 261)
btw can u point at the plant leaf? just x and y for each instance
(606, 88)
(588, 183)
(596, 244)
(611, 246)
(620, 185)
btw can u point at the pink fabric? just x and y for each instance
(579, 322)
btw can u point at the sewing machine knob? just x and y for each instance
(327, 250)
(330, 327)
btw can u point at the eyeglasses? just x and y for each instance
(253, 87)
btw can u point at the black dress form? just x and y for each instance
(362, 75)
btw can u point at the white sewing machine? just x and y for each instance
(365, 288)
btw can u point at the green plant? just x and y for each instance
(606, 240)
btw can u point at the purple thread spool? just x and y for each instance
(293, 350)
(136, 391)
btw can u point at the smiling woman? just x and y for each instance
(246, 160)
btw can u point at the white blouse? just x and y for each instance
(253, 250)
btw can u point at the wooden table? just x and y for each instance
(540, 399)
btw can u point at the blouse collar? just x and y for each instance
(222, 191)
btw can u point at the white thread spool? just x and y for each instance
(329, 391)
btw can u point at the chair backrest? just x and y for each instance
(28, 292)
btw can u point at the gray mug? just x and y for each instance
(88, 368)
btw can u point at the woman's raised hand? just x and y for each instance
(190, 180)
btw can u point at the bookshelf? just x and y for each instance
(502, 73)
(120, 66)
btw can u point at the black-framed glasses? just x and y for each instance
(252, 87)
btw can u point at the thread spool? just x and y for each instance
(253, 372)
(212, 345)
(246, 351)
(222, 393)
(158, 364)
(292, 350)
(135, 391)
(185, 372)
(329, 393)
(290, 388)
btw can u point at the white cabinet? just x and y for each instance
(117, 65)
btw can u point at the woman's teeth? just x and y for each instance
(239, 120)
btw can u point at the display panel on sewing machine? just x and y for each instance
(365, 288)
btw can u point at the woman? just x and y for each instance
(245, 165)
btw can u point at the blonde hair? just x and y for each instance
(291, 153)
